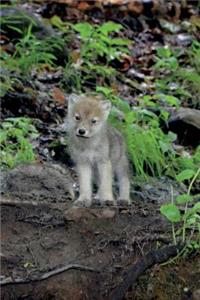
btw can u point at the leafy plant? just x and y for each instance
(99, 47)
(16, 148)
(31, 52)
(177, 77)
(189, 220)
(150, 150)
(5, 83)
(97, 41)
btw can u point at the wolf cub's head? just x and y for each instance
(87, 115)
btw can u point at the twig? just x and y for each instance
(150, 259)
(10, 280)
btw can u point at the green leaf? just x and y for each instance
(3, 136)
(171, 212)
(185, 175)
(197, 207)
(130, 117)
(110, 27)
(15, 28)
(120, 42)
(171, 136)
(172, 100)
(181, 199)
(164, 52)
(85, 29)
(164, 146)
(104, 90)
(57, 22)
(167, 98)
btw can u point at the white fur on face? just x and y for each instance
(82, 112)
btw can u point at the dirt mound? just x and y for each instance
(52, 251)
(57, 251)
(38, 182)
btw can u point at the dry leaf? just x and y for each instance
(58, 95)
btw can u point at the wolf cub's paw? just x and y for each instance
(82, 202)
(123, 202)
(107, 202)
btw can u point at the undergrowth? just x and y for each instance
(150, 149)
(179, 74)
(187, 231)
(15, 145)
(99, 46)
(30, 53)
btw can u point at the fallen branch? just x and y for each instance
(151, 258)
(11, 280)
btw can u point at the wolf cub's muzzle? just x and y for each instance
(81, 132)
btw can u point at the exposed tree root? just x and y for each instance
(151, 258)
(11, 280)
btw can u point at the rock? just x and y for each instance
(184, 39)
(41, 182)
(169, 27)
(196, 295)
(186, 124)
(189, 116)
(83, 213)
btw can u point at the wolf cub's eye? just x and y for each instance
(77, 117)
(94, 121)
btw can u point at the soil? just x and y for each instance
(96, 246)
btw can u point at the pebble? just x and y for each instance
(183, 39)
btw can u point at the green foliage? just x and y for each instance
(97, 42)
(188, 221)
(166, 59)
(30, 53)
(185, 174)
(183, 75)
(58, 23)
(5, 83)
(191, 163)
(17, 20)
(150, 150)
(171, 212)
(99, 47)
(16, 148)
(72, 79)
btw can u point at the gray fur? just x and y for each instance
(104, 149)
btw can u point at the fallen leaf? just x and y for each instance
(58, 95)
(83, 6)
(136, 7)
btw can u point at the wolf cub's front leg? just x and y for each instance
(105, 176)
(85, 183)
(123, 180)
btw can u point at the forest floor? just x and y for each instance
(95, 246)
(50, 249)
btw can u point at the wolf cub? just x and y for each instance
(98, 150)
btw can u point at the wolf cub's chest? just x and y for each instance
(89, 155)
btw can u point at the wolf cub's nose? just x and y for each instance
(81, 131)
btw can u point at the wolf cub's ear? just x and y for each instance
(106, 106)
(73, 98)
